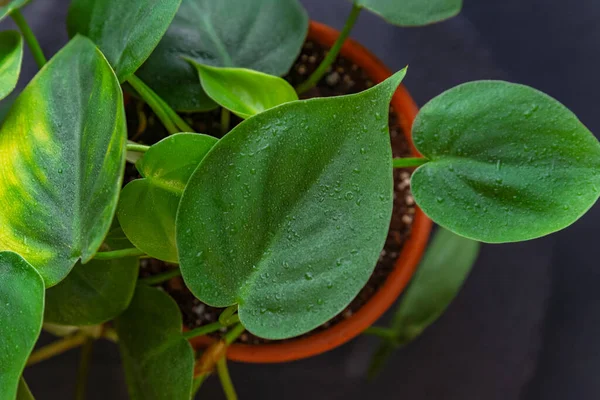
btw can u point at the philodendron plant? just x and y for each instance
(281, 221)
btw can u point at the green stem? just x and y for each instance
(84, 369)
(383, 333)
(333, 52)
(56, 348)
(30, 38)
(140, 148)
(198, 381)
(227, 314)
(225, 379)
(161, 278)
(225, 120)
(409, 162)
(233, 334)
(111, 255)
(224, 321)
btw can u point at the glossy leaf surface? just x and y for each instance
(22, 299)
(243, 91)
(263, 35)
(288, 213)
(158, 361)
(8, 6)
(11, 56)
(508, 163)
(63, 155)
(412, 12)
(95, 292)
(125, 31)
(148, 206)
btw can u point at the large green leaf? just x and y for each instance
(263, 35)
(11, 56)
(412, 12)
(508, 163)
(63, 155)
(288, 213)
(22, 299)
(158, 361)
(148, 206)
(441, 274)
(8, 6)
(125, 31)
(243, 91)
(95, 292)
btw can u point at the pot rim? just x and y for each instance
(408, 259)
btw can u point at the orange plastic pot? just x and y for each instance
(406, 264)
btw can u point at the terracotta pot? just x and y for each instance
(406, 264)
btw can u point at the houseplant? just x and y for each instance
(503, 163)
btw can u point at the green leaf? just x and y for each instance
(22, 299)
(23, 392)
(126, 31)
(158, 361)
(95, 292)
(263, 35)
(63, 149)
(412, 12)
(8, 6)
(243, 91)
(11, 56)
(508, 163)
(312, 174)
(148, 206)
(441, 274)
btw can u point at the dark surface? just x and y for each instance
(526, 326)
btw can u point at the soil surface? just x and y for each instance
(344, 77)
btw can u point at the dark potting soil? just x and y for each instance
(344, 77)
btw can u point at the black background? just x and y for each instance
(526, 326)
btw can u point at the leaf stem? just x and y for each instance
(170, 119)
(111, 255)
(383, 333)
(225, 379)
(161, 278)
(84, 369)
(56, 348)
(225, 120)
(30, 39)
(409, 162)
(198, 381)
(224, 321)
(227, 314)
(233, 334)
(140, 148)
(314, 78)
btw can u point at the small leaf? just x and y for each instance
(441, 274)
(126, 31)
(8, 6)
(63, 155)
(148, 206)
(313, 174)
(158, 361)
(95, 292)
(23, 392)
(263, 35)
(21, 311)
(413, 12)
(508, 163)
(11, 56)
(243, 91)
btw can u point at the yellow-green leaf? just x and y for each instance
(11, 56)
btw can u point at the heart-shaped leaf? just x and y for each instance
(507, 162)
(95, 292)
(148, 206)
(11, 55)
(243, 91)
(312, 174)
(263, 35)
(125, 31)
(8, 6)
(158, 361)
(413, 12)
(444, 268)
(63, 155)
(22, 299)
